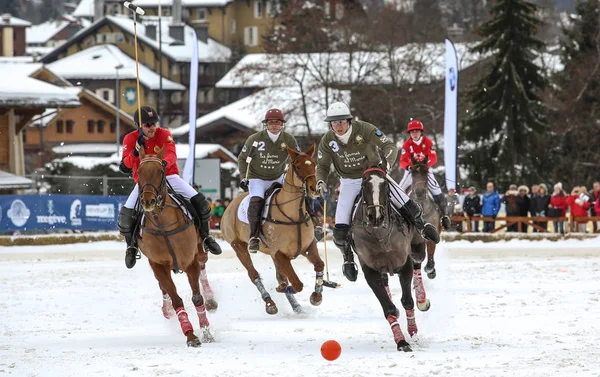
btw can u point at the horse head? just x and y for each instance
(151, 180)
(375, 196)
(420, 171)
(304, 168)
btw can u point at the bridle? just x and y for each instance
(366, 206)
(160, 191)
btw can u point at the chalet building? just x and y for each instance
(12, 35)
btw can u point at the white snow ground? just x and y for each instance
(501, 309)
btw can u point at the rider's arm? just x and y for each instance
(170, 154)
(128, 147)
(323, 161)
(293, 143)
(405, 156)
(387, 145)
(242, 164)
(431, 152)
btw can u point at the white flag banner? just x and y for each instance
(451, 115)
(190, 162)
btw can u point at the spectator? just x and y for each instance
(524, 204)
(218, 213)
(558, 207)
(226, 202)
(597, 206)
(539, 206)
(594, 196)
(510, 199)
(490, 206)
(534, 191)
(472, 206)
(579, 203)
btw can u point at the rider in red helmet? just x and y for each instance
(419, 145)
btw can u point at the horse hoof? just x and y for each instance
(424, 306)
(316, 299)
(404, 346)
(281, 287)
(432, 274)
(207, 336)
(211, 305)
(194, 343)
(270, 306)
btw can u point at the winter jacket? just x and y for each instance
(490, 204)
(472, 205)
(597, 206)
(539, 205)
(161, 139)
(513, 201)
(558, 202)
(578, 207)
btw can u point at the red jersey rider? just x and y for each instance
(152, 138)
(419, 145)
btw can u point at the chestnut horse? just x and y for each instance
(171, 242)
(288, 232)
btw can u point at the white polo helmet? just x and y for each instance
(338, 111)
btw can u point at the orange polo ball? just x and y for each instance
(331, 350)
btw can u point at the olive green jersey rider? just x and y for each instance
(269, 157)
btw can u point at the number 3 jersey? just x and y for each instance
(269, 157)
(349, 159)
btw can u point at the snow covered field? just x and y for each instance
(514, 308)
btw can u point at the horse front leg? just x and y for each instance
(312, 254)
(163, 275)
(193, 273)
(406, 276)
(375, 280)
(430, 266)
(168, 310)
(241, 250)
(284, 265)
(207, 292)
(418, 255)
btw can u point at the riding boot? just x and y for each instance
(341, 238)
(415, 212)
(126, 227)
(204, 213)
(442, 204)
(254, 218)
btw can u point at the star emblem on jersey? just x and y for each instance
(283, 146)
(156, 149)
(378, 133)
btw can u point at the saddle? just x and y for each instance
(243, 208)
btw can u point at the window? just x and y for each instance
(70, 124)
(210, 95)
(233, 26)
(327, 9)
(176, 98)
(273, 8)
(175, 70)
(119, 37)
(100, 38)
(339, 11)
(201, 69)
(113, 128)
(250, 36)
(106, 94)
(59, 126)
(258, 8)
(201, 96)
(91, 124)
(201, 14)
(101, 124)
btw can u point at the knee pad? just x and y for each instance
(126, 220)
(201, 205)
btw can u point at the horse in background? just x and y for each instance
(287, 232)
(171, 242)
(386, 244)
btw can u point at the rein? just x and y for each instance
(388, 222)
(161, 195)
(303, 214)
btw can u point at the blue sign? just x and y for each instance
(130, 96)
(43, 212)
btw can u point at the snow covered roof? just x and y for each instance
(210, 51)
(22, 68)
(16, 59)
(32, 51)
(43, 32)
(89, 162)
(11, 181)
(18, 89)
(99, 62)
(249, 111)
(202, 151)
(85, 8)
(87, 148)
(14, 21)
(185, 3)
(417, 62)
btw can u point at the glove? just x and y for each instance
(321, 188)
(141, 143)
(579, 201)
(244, 185)
(124, 169)
(408, 168)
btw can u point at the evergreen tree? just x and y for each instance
(12, 7)
(506, 117)
(51, 9)
(576, 125)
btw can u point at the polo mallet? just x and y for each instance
(249, 158)
(326, 283)
(136, 10)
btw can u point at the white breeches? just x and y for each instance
(257, 186)
(432, 183)
(350, 188)
(179, 185)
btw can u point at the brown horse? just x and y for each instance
(170, 241)
(288, 232)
